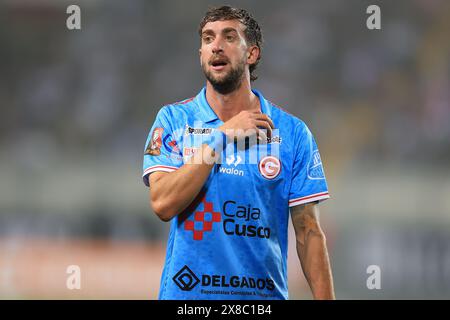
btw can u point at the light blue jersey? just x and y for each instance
(231, 243)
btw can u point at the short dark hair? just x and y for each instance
(252, 31)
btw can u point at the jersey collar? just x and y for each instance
(207, 114)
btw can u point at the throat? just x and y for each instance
(228, 106)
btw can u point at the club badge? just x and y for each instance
(155, 143)
(269, 167)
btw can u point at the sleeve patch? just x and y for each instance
(155, 143)
(315, 168)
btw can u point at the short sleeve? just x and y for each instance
(308, 182)
(162, 152)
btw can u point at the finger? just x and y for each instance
(261, 134)
(265, 117)
(255, 111)
(265, 125)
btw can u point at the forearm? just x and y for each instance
(175, 191)
(315, 262)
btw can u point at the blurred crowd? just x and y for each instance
(381, 94)
(77, 105)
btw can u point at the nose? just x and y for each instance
(217, 46)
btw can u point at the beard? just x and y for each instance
(229, 82)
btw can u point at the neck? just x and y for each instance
(226, 106)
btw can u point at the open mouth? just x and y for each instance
(219, 64)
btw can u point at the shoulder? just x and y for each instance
(185, 106)
(287, 120)
(176, 113)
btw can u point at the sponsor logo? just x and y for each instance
(315, 168)
(243, 221)
(222, 281)
(173, 145)
(274, 139)
(189, 152)
(231, 171)
(240, 220)
(155, 143)
(269, 167)
(185, 279)
(197, 131)
(231, 160)
(203, 220)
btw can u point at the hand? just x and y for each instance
(248, 123)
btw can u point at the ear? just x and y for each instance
(252, 54)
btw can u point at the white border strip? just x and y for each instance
(310, 198)
(159, 168)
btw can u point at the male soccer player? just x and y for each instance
(229, 210)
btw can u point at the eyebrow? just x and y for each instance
(224, 31)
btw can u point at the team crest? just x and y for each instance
(155, 143)
(270, 167)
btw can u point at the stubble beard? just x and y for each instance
(230, 82)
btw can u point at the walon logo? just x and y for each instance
(185, 279)
(203, 220)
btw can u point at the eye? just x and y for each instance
(207, 39)
(230, 38)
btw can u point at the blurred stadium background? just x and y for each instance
(76, 107)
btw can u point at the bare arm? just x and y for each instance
(171, 193)
(312, 250)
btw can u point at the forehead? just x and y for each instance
(219, 26)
